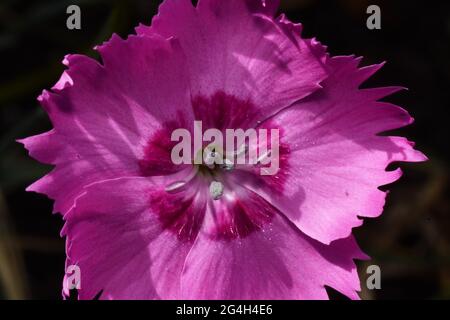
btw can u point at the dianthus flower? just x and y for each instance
(140, 226)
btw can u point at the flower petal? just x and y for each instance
(130, 240)
(274, 261)
(337, 161)
(105, 115)
(237, 48)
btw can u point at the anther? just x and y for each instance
(216, 190)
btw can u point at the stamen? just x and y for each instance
(228, 165)
(263, 157)
(243, 149)
(210, 159)
(216, 190)
(175, 186)
(178, 186)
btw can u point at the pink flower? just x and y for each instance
(139, 226)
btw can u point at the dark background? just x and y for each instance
(410, 242)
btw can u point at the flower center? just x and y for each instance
(214, 165)
(212, 168)
(213, 185)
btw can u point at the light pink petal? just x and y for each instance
(236, 47)
(130, 238)
(335, 160)
(265, 258)
(105, 116)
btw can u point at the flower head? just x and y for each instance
(139, 225)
